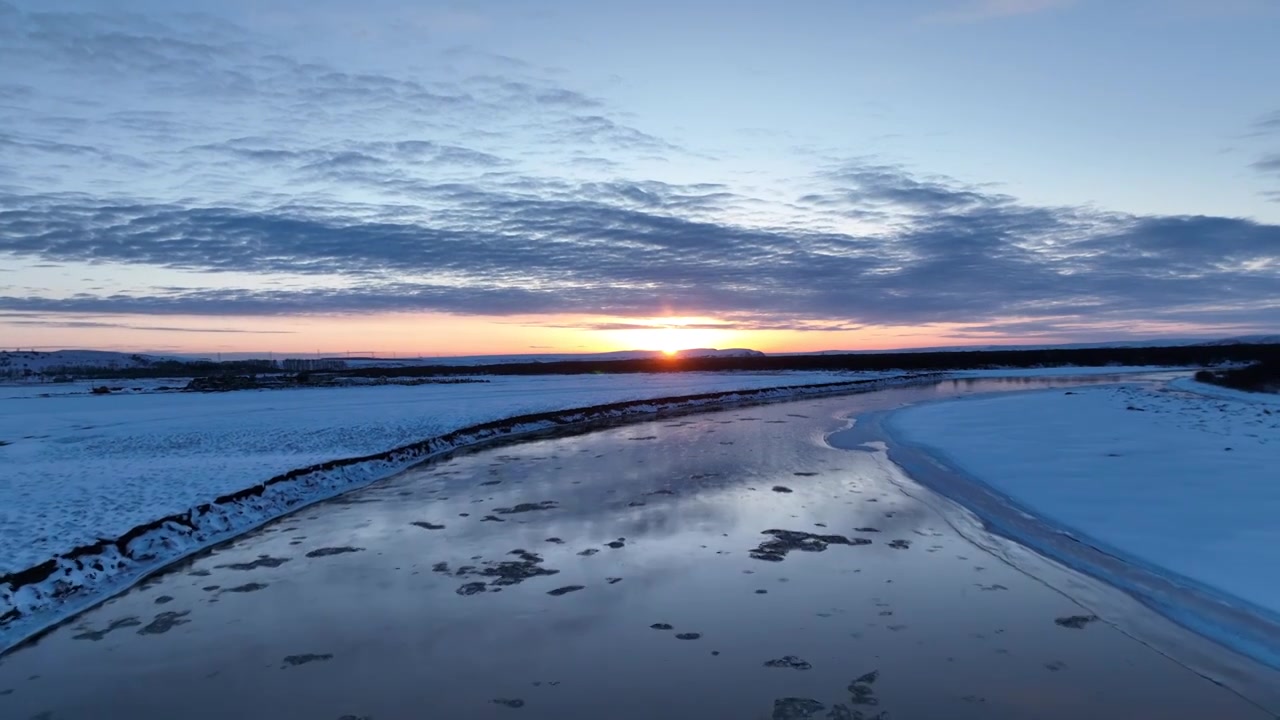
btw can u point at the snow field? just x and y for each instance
(1182, 483)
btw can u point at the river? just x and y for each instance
(730, 564)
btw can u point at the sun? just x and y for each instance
(671, 339)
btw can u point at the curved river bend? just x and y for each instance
(722, 565)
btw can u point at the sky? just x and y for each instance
(500, 176)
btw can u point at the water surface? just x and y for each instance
(627, 573)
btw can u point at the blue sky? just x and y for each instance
(793, 175)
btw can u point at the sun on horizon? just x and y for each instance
(671, 335)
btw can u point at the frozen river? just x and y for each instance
(721, 565)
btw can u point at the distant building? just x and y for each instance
(312, 364)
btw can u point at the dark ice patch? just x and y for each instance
(555, 541)
(784, 541)
(565, 590)
(866, 530)
(781, 489)
(788, 661)
(502, 572)
(1075, 622)
(164, 622)
(96, 635)
(616, 544)
(796, 708)
(296, 660)
(491, 518)
(688, 636)
(163, 599)
(471, 588)
(327, 551)
(246, 588)
(900, 544)
(861, 690)
(527, 507)
(589, 552)
(613, 580)
(426, 525)
(804, 474)
(661, 626)
(263, 561)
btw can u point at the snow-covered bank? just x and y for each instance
(80, 468)
(1065, 371)
(165, 475)
(1179, 485)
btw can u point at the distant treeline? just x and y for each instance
(171, 369)
(1262, 377)
(1181, 356)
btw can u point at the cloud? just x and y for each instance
(178, 90)
(1267, 124)
(15, 144)
(24, 319)
(978, 10)
(10, 93)
(480, 185)
(862, 186)
(596, 131)
(731, 324)
(1268, 164)
(952, 253)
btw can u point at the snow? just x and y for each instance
(1063, 370)
(83, 467)
(18, 363)
(1143, 343)
(99, 490)
(1178, 483)
(1190, 385)
(83, 387)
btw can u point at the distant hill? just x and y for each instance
(1244, 340)
(17, 365)
(366, 362)
(23, 363)
(1149, 342)
(46, 366)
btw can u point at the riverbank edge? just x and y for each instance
(1234, 624)
(36, 599)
